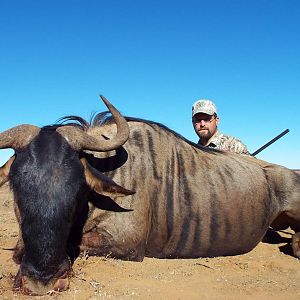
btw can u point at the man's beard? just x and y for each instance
(204, 133)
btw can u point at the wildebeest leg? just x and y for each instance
(19, 248)
(289, 194)
(293, 215)
(17, 281)
(103, 244)
(286, 220)
(296, 244)
(295, 226)
(119, 235)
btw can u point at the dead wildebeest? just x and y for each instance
(189, 202)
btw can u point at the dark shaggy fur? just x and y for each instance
(47, 180)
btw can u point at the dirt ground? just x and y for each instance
(267, 272)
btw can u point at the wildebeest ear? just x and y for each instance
(101, 183)
(4, 170)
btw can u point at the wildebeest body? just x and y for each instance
(189, 202)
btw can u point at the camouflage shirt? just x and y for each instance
(227, 143)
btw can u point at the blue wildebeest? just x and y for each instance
(189, 201)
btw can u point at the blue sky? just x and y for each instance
(153, 59)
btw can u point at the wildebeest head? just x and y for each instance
(49, 178)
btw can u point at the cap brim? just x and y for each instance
(203, 111)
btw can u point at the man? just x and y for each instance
(205, 121)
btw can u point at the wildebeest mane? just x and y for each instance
(73, 121)
(105, 118)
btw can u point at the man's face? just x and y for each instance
(205, 125)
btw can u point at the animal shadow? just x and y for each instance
(276, 237)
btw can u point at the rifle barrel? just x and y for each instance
(271, 142)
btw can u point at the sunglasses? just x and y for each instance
(208, 119)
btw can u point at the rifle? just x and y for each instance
(271, 142)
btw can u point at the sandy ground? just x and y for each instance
(267, 272)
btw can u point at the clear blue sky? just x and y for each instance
(153, 59)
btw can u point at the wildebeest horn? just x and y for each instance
(4, 170)
(80, 140)
(18, 137)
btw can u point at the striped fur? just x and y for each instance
(189, 202)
